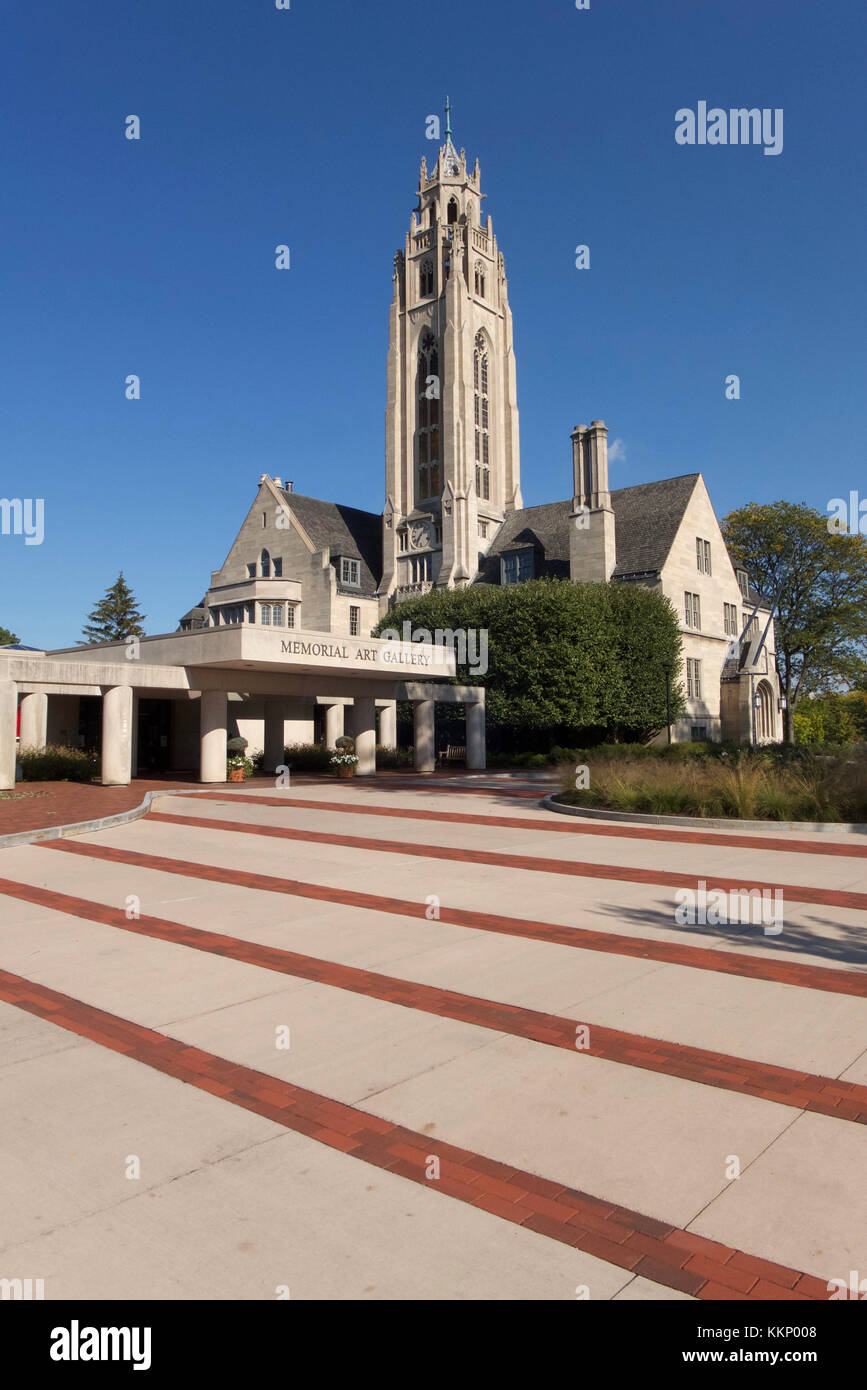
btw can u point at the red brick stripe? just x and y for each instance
(841, 1100)
(554, 825)
(661, 878)
(665, 1254)
(824, 978)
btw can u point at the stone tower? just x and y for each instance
(452, 452)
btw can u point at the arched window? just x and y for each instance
(426, 279)
(428, 427)
(482, 418)
(265, 565)
(453, 211)
(431, 214)
(480, 280)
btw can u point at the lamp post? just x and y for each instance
(667, 667)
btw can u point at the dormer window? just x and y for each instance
(350, 572)
(517, 567)
(743, 580)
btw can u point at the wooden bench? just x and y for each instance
(454, 754)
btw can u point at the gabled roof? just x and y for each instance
(647, 518)
(346, 530)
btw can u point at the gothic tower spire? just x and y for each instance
(452, 448)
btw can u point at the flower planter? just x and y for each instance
(345, 770)
(237, 774)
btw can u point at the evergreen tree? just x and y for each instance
(115, 617)
(7, 637)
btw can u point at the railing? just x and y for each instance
(405, 590)
(423, 240)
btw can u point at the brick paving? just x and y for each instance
(628, 1239)
(610, 1200)
(41, 805)
(613, 943)
(569, 827)
(662, 878)
(825, 1095)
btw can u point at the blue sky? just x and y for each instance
(306, 126)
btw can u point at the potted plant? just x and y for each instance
(238, 766)
(344, 760)
(345, 763)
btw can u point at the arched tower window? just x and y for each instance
(428, 428)
(265, 565)
(482, 414)
(480, 280)
(426, 279)
(453, 211)
(431, 214)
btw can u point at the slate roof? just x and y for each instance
(646, 517)
(546, 528)
(348, 531)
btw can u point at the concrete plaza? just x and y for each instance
(404, 1038)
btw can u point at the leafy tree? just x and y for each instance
(568, 664)
(7, 637)
(115, 617)
(829, 718)
(820, 581)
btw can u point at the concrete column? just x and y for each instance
(8, 722)
(388, 726)
(34, 720)
(365, 735)
(212, 757)
(476, 736)
(424, 735)
(333, 724)
(117, 736)
(275, 746)
(134, 752)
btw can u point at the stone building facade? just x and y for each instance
(454, 513)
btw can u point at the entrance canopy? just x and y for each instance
(210, 664)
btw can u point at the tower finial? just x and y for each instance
(448, 119)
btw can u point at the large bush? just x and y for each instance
(571, 664)
(56, 764)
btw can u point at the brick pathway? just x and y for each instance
(612, 943)
(511, 1095)
(825, 1095)
(662, 878)
(663, 1253)
(40, 805)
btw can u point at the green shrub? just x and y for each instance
(308, 757)
(394, 757)
(57, 764)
